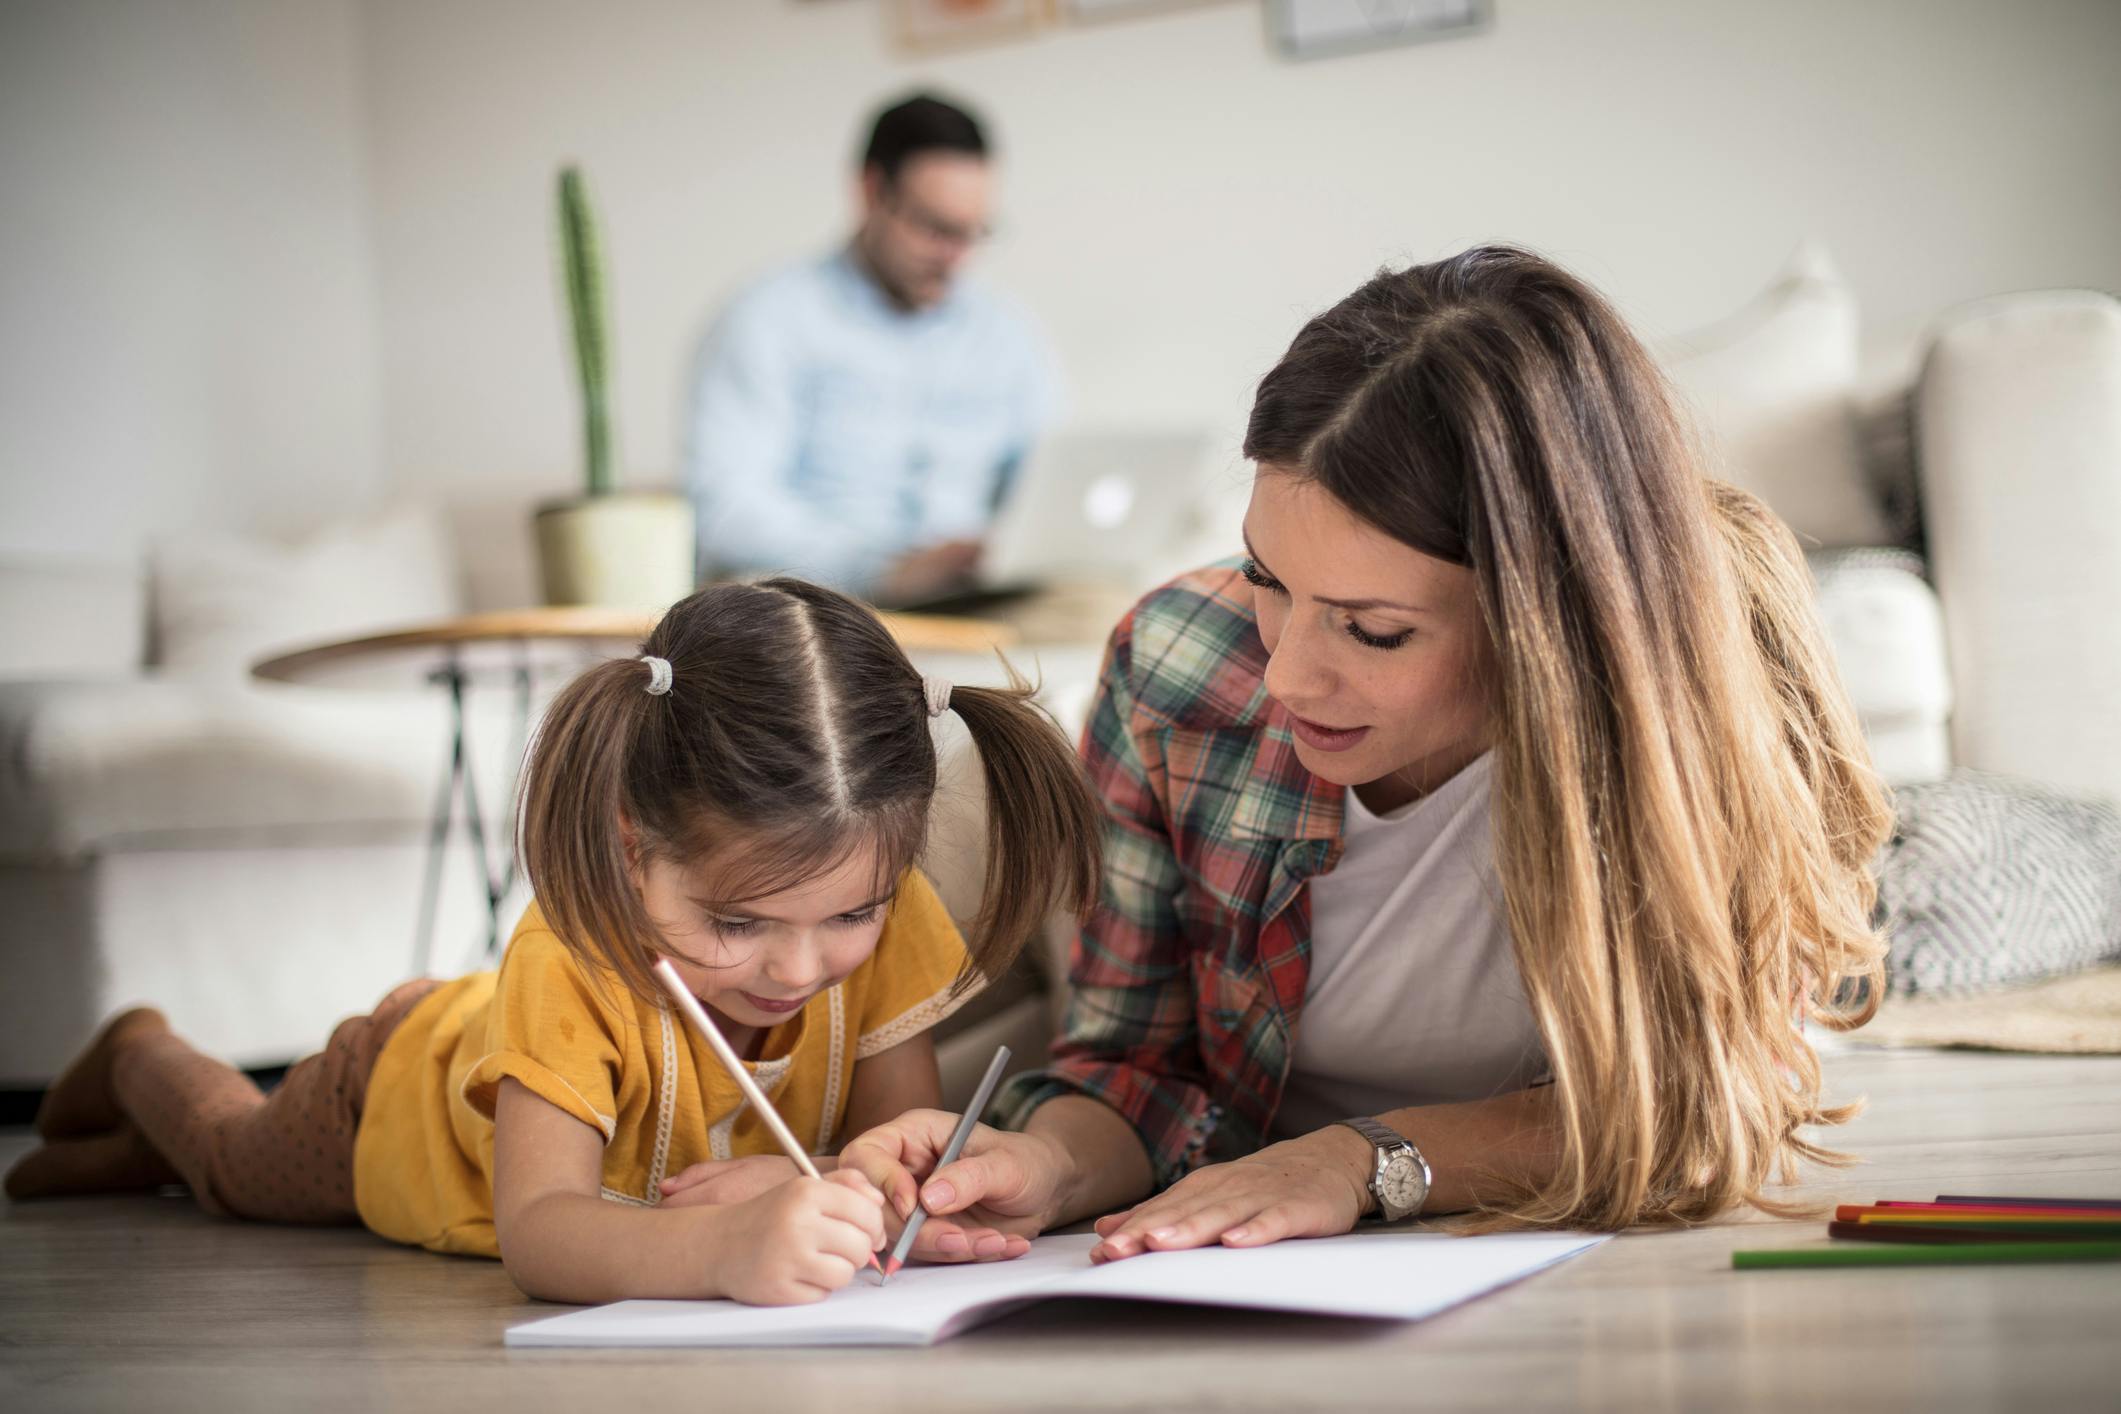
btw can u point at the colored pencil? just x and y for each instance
(1849, 1213)
(1912, 1255)
(731, 1062)
(1966, 1232)
(965, 1124)
(2111, 1203)
(2010, 1210)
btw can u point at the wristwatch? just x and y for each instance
(1400, 1183)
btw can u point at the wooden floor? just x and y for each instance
(145, 1304)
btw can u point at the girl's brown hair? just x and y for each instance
(794, 733)
(1685, 813)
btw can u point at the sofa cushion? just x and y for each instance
(1882, 621)
(175, 763)
(1771, 390)
(61, 619)
(223, 600)
(2018, 427)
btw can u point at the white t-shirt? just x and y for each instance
(1413, 996)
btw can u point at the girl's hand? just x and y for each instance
(733, 1180)
(1315, 1186)
(798, 1242)
(999, 1194)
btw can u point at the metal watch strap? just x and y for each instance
(1389, 1142)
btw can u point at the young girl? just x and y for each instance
(747, 799)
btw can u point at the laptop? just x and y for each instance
(1085, 508)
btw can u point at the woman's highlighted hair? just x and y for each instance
(1685, 813)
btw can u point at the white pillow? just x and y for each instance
(223, 601)
(1772, 391)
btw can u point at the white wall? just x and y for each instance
(1176, 199)
(187, 315)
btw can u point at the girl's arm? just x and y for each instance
(561, 1241)
(892, 1082)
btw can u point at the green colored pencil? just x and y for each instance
(1913, 1256)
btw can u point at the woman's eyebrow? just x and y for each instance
(1354, 605)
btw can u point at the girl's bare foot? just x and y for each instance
(121, 1161)
(81, 1102)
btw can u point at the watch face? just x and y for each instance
(1400, 1184)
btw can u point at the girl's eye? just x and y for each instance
(735, 927)
(1260, 579)
(1371, 640)
(856, 920)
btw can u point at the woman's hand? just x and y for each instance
(733, 1180)
(1314, 1186)
(1000, 1192)
(797, 1242)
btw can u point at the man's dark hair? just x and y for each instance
(922, 123)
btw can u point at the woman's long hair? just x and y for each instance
(1685, 812)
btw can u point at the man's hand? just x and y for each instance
(928, 573)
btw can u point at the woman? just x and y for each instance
(1504, 798)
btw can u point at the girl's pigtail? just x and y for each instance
(1042, 822)
(571, 802)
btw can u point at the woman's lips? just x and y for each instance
(777, 1008)
(1324, 738)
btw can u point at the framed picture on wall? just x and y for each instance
(1317, 29)
(927, 25)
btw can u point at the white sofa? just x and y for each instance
(250, 856)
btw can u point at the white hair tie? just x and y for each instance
(937, 691)
(658, 674)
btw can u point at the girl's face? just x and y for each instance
(758, 962)
(1377, 651)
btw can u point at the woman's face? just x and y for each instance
(1376, 650)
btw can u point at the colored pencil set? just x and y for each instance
(1959, 1229)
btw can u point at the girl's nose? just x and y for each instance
(797, 965)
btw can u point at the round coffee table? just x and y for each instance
(521, 647)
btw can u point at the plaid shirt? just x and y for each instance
(1189, 977)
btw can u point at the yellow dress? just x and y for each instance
(629, 1068)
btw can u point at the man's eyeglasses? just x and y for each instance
(932, 226)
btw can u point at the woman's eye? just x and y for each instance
(1259, 578)
(1373, 640)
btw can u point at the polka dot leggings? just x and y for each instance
(286, 1157)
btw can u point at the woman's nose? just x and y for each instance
(1296, 668)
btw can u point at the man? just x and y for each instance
(856, 418)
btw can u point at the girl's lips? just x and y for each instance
(1323, 738)
(777, 1008)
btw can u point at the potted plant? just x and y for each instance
(613, 549)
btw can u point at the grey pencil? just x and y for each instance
(956, 1146)
(731, 1062)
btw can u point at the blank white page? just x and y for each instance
(1383, 1275)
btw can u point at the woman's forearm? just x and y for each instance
(1103, 1163)
(572, 1247)
(1482, 1151)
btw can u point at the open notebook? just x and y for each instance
(1387, 1275)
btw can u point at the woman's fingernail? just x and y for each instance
(1235, 1234)
(1163, 1234)
(951, 1242)
(939, 1194)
